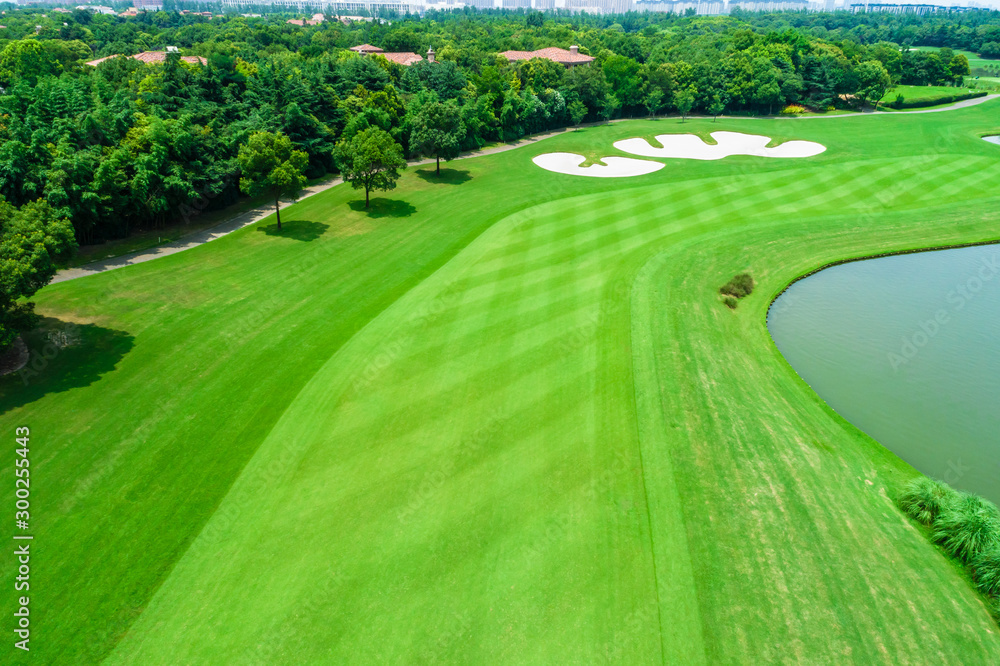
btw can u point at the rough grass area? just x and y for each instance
(499, 420)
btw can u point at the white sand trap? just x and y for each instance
(689, 146)
(992, 139)
(617, 167)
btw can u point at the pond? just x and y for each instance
(907, 348)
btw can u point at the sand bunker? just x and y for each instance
(617, 167)
(689, 146)
(992, 139)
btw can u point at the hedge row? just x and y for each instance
(966, 526)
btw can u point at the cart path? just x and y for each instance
(249, 217)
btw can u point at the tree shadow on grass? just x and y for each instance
(384, 207)
(63, 356)
(448, 176)
(301, 230)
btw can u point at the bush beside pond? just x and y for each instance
(965, 525)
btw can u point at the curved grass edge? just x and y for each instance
(867, 257)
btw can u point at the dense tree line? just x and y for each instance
(127, 144)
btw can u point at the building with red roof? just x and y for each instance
(151, 58)
(365, 49)
(555, 54)
(404, 58)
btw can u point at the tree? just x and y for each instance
(611, 104)
(873, 81)
(590, 85)
(684, 101)
(959, 66)
(626, 83)
(540, 73)
(577, 112)
(32, 240)
(271, 165)
(26, 59)
(653, 99)
(370, 160)
(716, 106)
(990, 50)
(767, 93)
(437, 130)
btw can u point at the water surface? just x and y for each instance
(908, 349)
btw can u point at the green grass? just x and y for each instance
(925, 96)
(988, 83)
(504, 418)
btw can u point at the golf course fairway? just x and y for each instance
(502, 417)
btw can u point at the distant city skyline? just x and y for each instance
(702, 7)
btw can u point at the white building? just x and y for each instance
(701, 8)
(98, 9)
(770, 5)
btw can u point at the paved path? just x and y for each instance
(257, 214)
(247, 218)
(951, 107)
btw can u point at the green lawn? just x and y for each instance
(925, 95)
(989, 83)
(502, 418)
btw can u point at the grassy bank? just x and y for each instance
(504, 417)
(915, 97)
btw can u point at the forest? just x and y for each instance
(126, 145)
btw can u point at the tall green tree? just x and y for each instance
(685, 102)
(653, 100)
(437, 130)
(716, 106)
(32, 241)
(271, 165)
(370, 160)
(959, 68)
(873, 81)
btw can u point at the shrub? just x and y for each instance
(899, 102)
(924, 499)
(986, 572)
(793, 110)
(965, 525)
(740, 286)
(730, 302)
(968, 527)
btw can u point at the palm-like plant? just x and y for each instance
(924, 499)
(968, 527)
(986, 572)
